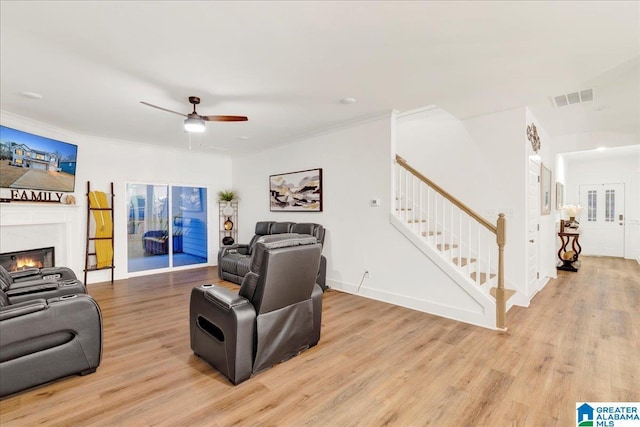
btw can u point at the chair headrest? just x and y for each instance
(281, 227)
(4, 274)
(263, 227)
(277, 241)
(309, 228)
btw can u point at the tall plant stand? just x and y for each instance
(228, 212)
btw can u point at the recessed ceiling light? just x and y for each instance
(32, 95)
(243, 137)
(348, 101)
(601, 148)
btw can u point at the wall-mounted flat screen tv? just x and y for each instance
(34, 162)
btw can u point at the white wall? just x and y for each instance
(610, 170)
(483, 162)
(102, 161)
(356, 163)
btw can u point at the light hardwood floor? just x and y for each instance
(376, 364)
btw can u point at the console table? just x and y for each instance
(569, 257)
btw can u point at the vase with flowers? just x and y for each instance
(572, 211)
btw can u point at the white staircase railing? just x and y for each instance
(472, 245)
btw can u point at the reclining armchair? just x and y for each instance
(35, 273)
(234, 261)
(276, 314)
(43, 283)
(43, 340)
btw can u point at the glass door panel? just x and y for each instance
(147, 227)
(189, 225)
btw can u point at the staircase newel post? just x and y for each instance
(501, 304)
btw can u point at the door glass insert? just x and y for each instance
(592, 207)
(609, 205)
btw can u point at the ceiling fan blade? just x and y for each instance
(225, 118)
(163, 109)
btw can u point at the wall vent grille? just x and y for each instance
(572, 98)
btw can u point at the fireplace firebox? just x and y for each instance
(21, 260)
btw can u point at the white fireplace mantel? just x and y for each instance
(26, 226)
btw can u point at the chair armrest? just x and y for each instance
(29, 272)
(223, 297)
(241, 249)
(61, 273)
(34, 282)
(22, 308)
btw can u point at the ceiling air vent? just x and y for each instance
(573, 98)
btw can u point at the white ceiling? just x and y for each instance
(287, 64)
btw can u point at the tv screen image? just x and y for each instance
(34, 162)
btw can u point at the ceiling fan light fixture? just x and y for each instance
(192, 124)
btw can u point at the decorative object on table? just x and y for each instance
(559, 195)
(532, 136)
(228, 224)
(545, 190)
(296, 191)
(572, 211)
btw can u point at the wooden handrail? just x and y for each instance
(402, 162)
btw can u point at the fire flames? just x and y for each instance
(27, 262)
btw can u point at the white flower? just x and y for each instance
(572, 210)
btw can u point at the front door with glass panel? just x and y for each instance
(602, 219)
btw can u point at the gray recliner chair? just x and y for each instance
(44, 340)
(276, 314)
(39, 283)
(35, 273)
(234, 261)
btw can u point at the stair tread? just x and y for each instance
(447, 246)
(483, 277)
(508, 293)
(412, 221)
(463, 261)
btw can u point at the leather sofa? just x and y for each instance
(234, 261)
(34, 283)
(276, 314)
(46, 339)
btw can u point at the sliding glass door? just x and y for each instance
(166, 226)
(189, 215)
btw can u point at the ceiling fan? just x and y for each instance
(194, 122)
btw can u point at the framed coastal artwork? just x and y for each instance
(299, 191)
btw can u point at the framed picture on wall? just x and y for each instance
(545, 190)
(559, 195)
(299, 191)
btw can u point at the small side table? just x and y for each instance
(569, 258)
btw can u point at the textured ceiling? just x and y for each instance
(286, 65)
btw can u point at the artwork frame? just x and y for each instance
(545, 190)
(559, 195)
(191, 199)
(31, 158)
(299, 191)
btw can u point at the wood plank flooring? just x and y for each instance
(376, 364)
